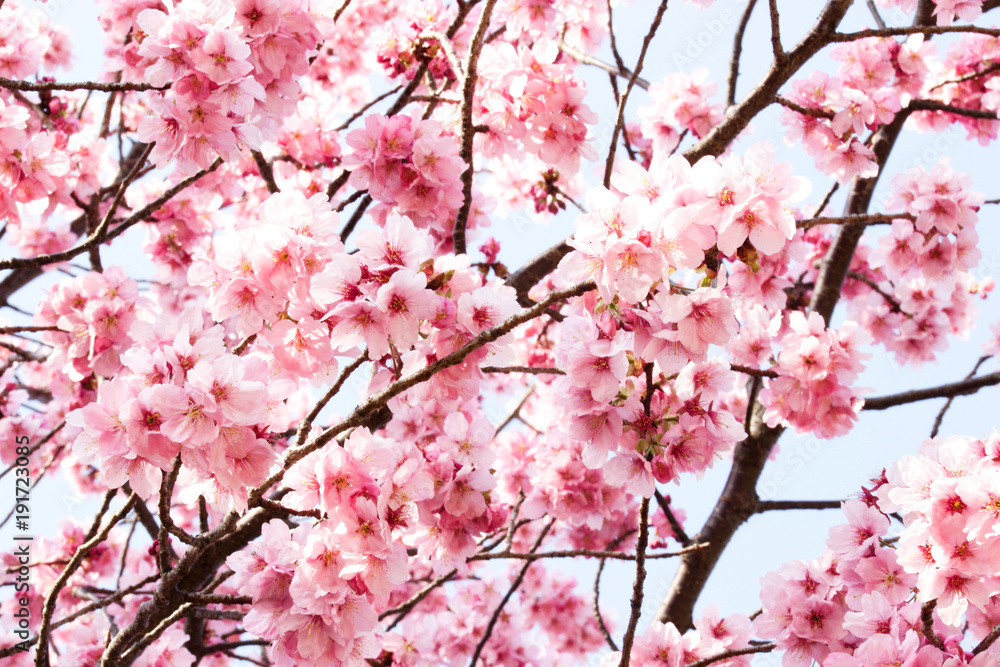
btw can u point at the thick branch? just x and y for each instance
(740, 116)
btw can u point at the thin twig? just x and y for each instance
(875, 15)
(960, 388)
(532, 370)
(805, 111)
(733, 653)
(98, 238)
(95, 536)
(468, 92)
(589, 553)
(306, 425)
(779, 53)
(734, 63)
(637, 587)
(947, 404)
(597, 607)
(746, 370)
(510, 592)
(675, 525)
(620, 120)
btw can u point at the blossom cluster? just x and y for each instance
(411, 167)
(530, 103)
(816, 368)
(872, 599)
(231, 67)
(922, 266)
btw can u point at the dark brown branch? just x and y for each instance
(746, 370)
(865, 219)
(14, 330)
(533, 370)
(772, 505)
(947, 404)
(88, 609)
(927, 623)
(969, 77)
(597, 607)
(407, 606)
(609, 163)
(12, 84)
(303, 430)
(589, 553)
(933, 105)
(96, 239)
(637, 586)
(532, 273)
(740, 116)
(361, 112)
(675, 525)
(988, 641)
(518, 580)
(468, 92)
(371, 408)
(95, 536)
(733, 653)
(805, 111)
(265, 171)
(355, 217)
(734, 63)
(915, 30)
(776, 49)
(278, 508)
(960, 388)
(893, 302)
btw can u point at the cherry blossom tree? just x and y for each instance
(337, 427)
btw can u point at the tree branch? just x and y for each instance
(733, 653)
(586, 59)
(510, 592)
(468, 91)
(675, 525)
(960, 388)
(947, 404)
(637, 586)
(12, 84)
(609, 162)
(772, 505)
(734, 62)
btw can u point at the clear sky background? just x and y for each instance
(805, 468)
